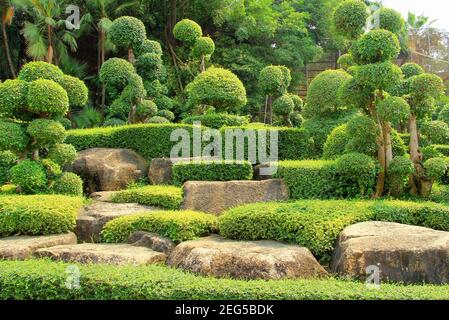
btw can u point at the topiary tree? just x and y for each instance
(350, 18)
(128, 33)
(187, 31)
(390, 20)
(437, 132)
(284, 107)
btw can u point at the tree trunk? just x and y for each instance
(266, 110)
(132, 117)
(131, 56)
(203, 64)
(7, 50)
(388, 144)
(101, 59)
(415, 156)
(50, 52)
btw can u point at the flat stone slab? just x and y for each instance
(222, 258)
(92, 218)
(403, 253)
(216, 197)
(23, 247)
(116, 254)
(103, 196)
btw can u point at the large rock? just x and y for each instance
(216, 197)
(402, 253)
(108, 169)
(23, 247)
(116, 254)
(152, 241)
(92, 218)
(218, 257)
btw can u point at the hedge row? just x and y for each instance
(38, 214)
(168, 197)
(44, 280)
(176, 225)
(211, 171)
(317, 224)
(442, 148)
(153, 140)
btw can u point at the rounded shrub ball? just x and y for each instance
(391, 20)
(350, 18)
(52, 169)
(297, 101)
(167, 114)
(68, 184)
(77, 91)
(378, 76)
(115, 72)
(336, 143)
(376, 46)
(46, 133)
(283, 105)
(345, 61)
(393, 109)
(204, 46)
(322, 93)
(401, 167)
(7, 161)
(62, 154)
(353, 95)
(443, 115)
(219, 88)
(66, 123)
(274, 80)
(363, 132)
(149, 46)
(146, 108)
(187, 30)
(13, 137)
(149, 66)
(40, 70)
(436, 168)
(127, 32)
(297, 119)
(165, 103)
(436, 131)
(411, 69)
(13, 95)
(46, 96)
(426, 85)
(157, 119)
(135, 90)
(30, 176)
(119, 109)
(114, 122)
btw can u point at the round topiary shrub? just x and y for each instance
(350, 18)
(187, 31)
(40, 70)
(378, 76)
(147, 108)
(68, 184)
(204, 46)
(430, 152)
(127, 32)
(46, 132)
(283, 105)
(297, 101)
(393, 109)
(411, 69)
(425, 86)
(167, 114)
(399, 169)
(7, 161)
(52, 169)
(296, 119)
(76, 90)
(62, 154)
(149, 66)
(336, 143)
(322, 93)
(217, 87)
(13, 137)
(134, 91)
(436, 168)
(148, 46)
(376, 46)
(114, 122)
(346, 61)
(390, 20)
(119, 109)
(115, 72)
(274, 80)
(66, 123)
(47, 97)
(363, 133)
(30, 176)
(157, 119)
(13, 94)
(437, 132)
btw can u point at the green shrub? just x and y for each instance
(393, 109)
(13, 137)
(187, 30)
(336, 143)
(157, 120)
(168, 197)
(437, 132)
(8, 189)
(46, 96)
(134, 92)
(399, 170)
(148, 46)
(436, 168)
(217, 120)
(127, 32)
(62, 154)
(52, 169)
(13, 95)
(443, 149)
(40, 70)
(391, 20)
(411, 69)
(274, 80)
(149, 66)
(176, 225)
(46, 132)
(350, 18)
(68, 184)
(115, 72)
(345, 61)
(146, 108)
(211, 171)
(30, 176)
(378, 76)
(376, 46)
(38, 214)
(7, 161)
(167, 114)
(66, 123)
(204, 46)
(77, 91)
(283, 106)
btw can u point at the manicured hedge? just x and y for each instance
(442, 148)
(38, 214)
(176, 225)
(211, 171)
(168, 197)
(316, 224)
(42, 279)
(217, 120)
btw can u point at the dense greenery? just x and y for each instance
(168, 197)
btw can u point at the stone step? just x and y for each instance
(115, 254)
(23, 247)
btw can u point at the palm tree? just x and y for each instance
(415, 23)
(7, 11)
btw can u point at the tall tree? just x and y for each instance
(7, 11)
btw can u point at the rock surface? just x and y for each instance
(105, 169)
(92, 218)
(402, 253)
(23, 247)
(103, 196)
(219, 257)
(116, 254)
(262, 172)
(152, 241)
(216, 197)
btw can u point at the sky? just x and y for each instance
(434, 9)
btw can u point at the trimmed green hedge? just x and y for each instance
(38, 214)
(168, 197)
(176, 225)
(211, 171)
(442, 148)
(316, 224)
(42, 279)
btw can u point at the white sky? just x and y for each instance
(434, 9)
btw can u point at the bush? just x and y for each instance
(146, 108)
(274, 80)
(376, 46)
(127, 32)
(114, 122)
(336, 143)
(38, 214)
(115, 72)
(157, 120)
(378, 76)
(345, 61)
(411, 69)
(204, 46)
(211, 171)
(187, 31)
(46, 132)
(46, 96)
(62, 154)
(36, 70)
(168, 197)
(350, 18)
(436, 168)
(283, 106)
(68, 184)
(437, 132)
(52, 169)
(217, 120)
(399, 170)
(167, 114)
(149, 66)
(30, 176)
(13, 137)
(13, 95)
(177, 225)
(391, 20)
(77, 91)
(443, 149)
(148, 46)
(7, 161)
(393, 109)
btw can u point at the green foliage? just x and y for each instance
(46, 133)
(30, 176)
(393, 109)
(168, 197)
(36, 70)
(52, 169)
(437, 132)
(376, 46)
(297, 101)
(411, 69)
(211, 171)
(176, 225)
(62, 154)
(346, 61)
(443, 115)
(336, 143)
(283, 106)
(77, 91)
(46, 96)
(119, 109)
(219, 88)
(134, 92)
(149, 66)
(127, 32)
(148, 46)
(423, 90)
(13, 137)
(66, 123)
(430, 152)
(350, 18)
(7, 161)
(363, 133)
(146, 108)
(157, 120)
(13, 95)
(115, 72)
(353, 95)
(274, 80)
(217, 120)
(187, 31)
(391, 20)
(89, 117)
(68, 184)
(378, 76)
(204, 46)
(399, 170)
(167, 114)
(436, 168)
(38, 214)
(114, 122)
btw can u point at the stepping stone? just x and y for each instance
(402, 253)
(152, 241)
(92, 218)
(103, 196)
(116, 254)
(23, 247)
(222, 258)
(216, 197)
